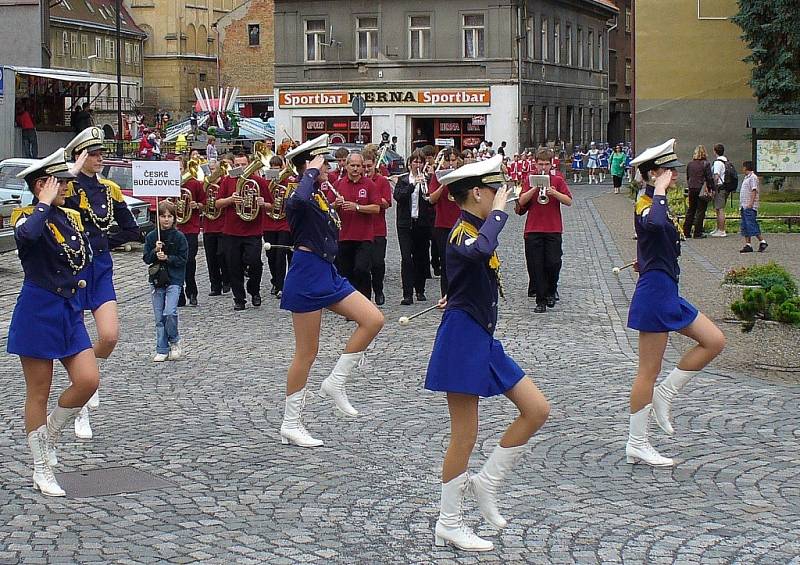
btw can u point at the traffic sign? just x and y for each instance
(359, 104)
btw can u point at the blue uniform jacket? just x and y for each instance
(176, 248)
(473, 267)
(313, 223)
(43, 234)
(658, 243)
(85, 192)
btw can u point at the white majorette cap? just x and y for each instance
(660, 156)
(489, 173)
(308, 150)
(90, 139)
(51, 166)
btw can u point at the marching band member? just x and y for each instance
(341, 165)
(313, 284)
(47, 322)
(188, 223)
(447, 214)
(276, 232)
(467, 362)
(593, 162)
(213, 238)
(99, 202)
(243, 237)
(657, 308)
(577, 164)
(358, 204)
(543, 229)
(415, 218)
(378, 267)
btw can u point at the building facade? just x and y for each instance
(446, 72)
(181, 49)
(247, 55)
(620, 74)
(83, 38)
(696, 90)
(23, 33)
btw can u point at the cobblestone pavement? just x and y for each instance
(208, 424)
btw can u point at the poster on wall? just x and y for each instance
(778, 156)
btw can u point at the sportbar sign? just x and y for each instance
(415, 97)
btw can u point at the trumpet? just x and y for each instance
(249, 190)
(211, 186)
(183, 206)
(542, 198)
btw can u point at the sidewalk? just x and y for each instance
(703, 265)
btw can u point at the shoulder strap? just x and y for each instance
(116, 191)
(75, 215)
(18, 213)
(643, 203)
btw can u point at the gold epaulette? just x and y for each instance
(17, 213)
(116, 191)
(463, 228)
(74, 215)
(70, 189)
(643, 203)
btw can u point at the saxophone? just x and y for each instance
(281, 189)
(249, 190)
(183, 206)
(211, 186)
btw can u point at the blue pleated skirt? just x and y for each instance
(45, 325)
(657, 307)
(467, 359)
(99, 277)
(312, 284)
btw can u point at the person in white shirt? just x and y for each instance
(720, 195)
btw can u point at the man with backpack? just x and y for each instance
(727, 180)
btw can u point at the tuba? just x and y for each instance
(281, 189)
(211, 186)
(183, 206)
(249, 190)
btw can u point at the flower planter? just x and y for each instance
(730, 294)
(776, 346)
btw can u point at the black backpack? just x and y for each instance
(731, 182)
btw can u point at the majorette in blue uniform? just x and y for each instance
(47, 322)
(467, 359)
(577, 158)
(657, 307)
(605, 153)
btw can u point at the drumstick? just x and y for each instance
(616, 270)
(268, 246)
(405, 320)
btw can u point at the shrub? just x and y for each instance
(766, 276)
(775, 304)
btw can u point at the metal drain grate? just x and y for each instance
(103, 482)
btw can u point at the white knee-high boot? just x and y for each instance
(43, 478)
(665, 393)
(486, 483)
(450, 527)
(638, 447)
(83, 427)
(57, 421)
(334, 385)
(292, 429)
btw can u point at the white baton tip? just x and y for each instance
(615, 270)
(267, 246)
(403, 320)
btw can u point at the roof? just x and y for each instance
(66, 75)
(95, 13)
(607, 4)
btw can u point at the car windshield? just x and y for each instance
(123, 176)
(9, 183)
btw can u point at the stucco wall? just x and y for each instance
(20, 35)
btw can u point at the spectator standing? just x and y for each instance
(211, 150)
(617, 166)
(698, 175)
(748, 208)
(719, 193)
(502, 149)
(29, 141)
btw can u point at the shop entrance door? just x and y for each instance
(422, 130)
(465, 132)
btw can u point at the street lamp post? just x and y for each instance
(119, 81)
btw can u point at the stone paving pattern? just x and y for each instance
(209, 425)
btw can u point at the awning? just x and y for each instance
(67, 76)
(256, 98)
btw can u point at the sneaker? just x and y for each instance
(700, 236)
(762, 246)
(159, 357)
(540, 308)
(215, 293)
(256, 300)
(238, 306)
(175, 351)
(746, 249)
(717, 233)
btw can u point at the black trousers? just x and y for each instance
(543, 259)
(354, 263)
(437, 259)
(191, 267)
(378, 269)
(695, 214)
(278, 260)
(244, 252)
(440, 242)
(415, 257)
(213, 244)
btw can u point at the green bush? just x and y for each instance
(766, 276)
(782, 196)
(775, 304)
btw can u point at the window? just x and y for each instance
(628, 20)
(628, 72)
(420, 39)
(580, 47)
(64, 44)
(315, 38)
(591, 124)
(127, 53)
(89, 5)
(73, 45)
(591, 49)
(253, 35)
(110, 52)
(473, 36)
(98, 47)
(66, 4)
(612, 66)
(367, 38)
(135, 53)
(531, 35)
(601, 125)
(582, 124)
(202, 77)
(557, 43)
(545, 120)
(84, 47)
(601, 55)
(558, 122)
(543, 39)
(570, 124)
(568, 40)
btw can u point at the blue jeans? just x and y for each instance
(165, 309)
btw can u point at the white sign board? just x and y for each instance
(156, 178)
(445, 142)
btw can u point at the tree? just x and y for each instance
(771, 28)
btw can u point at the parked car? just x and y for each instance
(17, 194)
(121, 172)
(7, 241)
(394, 161)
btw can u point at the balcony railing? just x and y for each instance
(109, 104)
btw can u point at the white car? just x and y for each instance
(14, 193)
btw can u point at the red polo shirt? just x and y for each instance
(234, 225)
(198, 195)
(384, 191)
(218, 225)
(24, 121)
(276, 225)
(545, 218)
(357, 226)
(447, 211)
